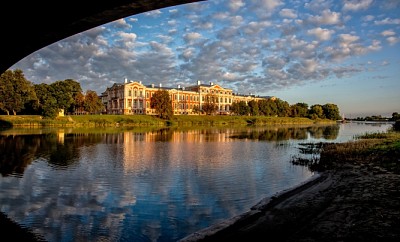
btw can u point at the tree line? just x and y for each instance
(161, 102)
(20, 96)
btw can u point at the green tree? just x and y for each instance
(47, 102)
(92, 102)
(331, 111)
(282, 108)
(240, 108)
(209, 105)
(65, 93)
(161, 102)
(316, 112)
(253, 108)
(15, 92)
(299, 110)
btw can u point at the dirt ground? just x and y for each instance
(351, 203)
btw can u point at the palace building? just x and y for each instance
(132, 97)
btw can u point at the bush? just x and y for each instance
(396, 126)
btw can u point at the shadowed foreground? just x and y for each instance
(354, 204)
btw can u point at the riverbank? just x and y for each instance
(147, 120)
(355, 196)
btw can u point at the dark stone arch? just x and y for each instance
(27, 26)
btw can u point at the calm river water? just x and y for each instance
(148, 185)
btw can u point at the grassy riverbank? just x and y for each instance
(145, 120)
(377, 149)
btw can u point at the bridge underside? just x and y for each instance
(27, 26)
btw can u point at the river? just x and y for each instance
(149, 184)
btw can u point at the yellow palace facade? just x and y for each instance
(133, 97)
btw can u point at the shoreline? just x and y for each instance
(352, 204)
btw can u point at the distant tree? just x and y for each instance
(240, 108)
(316, 112)
(282, 108)
(395, 116)
(161, 102)
(65, 92)
(263, 107)
(79, 102)
(210, 104)
(92, 102)
(15, 92)
(299, 110)
(253, 108)
(196, 109)
(47, 102)
(331, 111)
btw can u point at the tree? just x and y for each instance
(253, 108)
(395, 116)
(209, 106)
(299, 110)
(65, 92)
(161, 102)
(316, 112)
(47, 102)
(240, 108)
(282, 108)
(92, 102)
(331, 111)
(15, 91)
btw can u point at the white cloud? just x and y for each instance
(321, 34)
(368, 18)
(190, 37)
(388, 33)
(356, 5)
(234, 5)
(127, 36)
(270, 5)
(387, 21)
(120, 23)
(318, 5)
(229, 76)
(288, 13)
(327, 18)
(153, 13)
(392, 40)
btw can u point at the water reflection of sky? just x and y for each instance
(157, 186)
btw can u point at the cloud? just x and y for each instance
(318, 5)
(387, 21)
(392, 40)
(251, 46)
(234, 5)
(388, 33)
(270, 5)
(368, 18)
(321, 34)
(356, 5)
(191, 37)
(288, 13)
(326, 18)
(153, 13)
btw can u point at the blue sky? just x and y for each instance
(314, 51)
